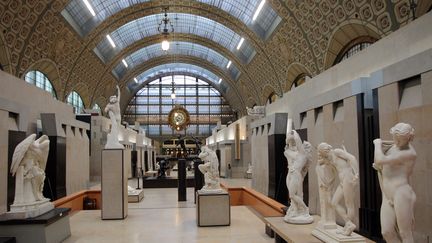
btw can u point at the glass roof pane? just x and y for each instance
(177, 48)
(83, 21)
(178, 67)
(244, 10)
(77, 14)
(183, 23)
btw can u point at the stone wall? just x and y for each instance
(399, 67)
(413, 105)
(21, 105)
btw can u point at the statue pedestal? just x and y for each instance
(114, 184)
(30, 210)
(49, 227)
(213, 209)
(135, 195)
(300, 219)
(330, 235)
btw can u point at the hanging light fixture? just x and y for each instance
(173, 95)
(165, 27)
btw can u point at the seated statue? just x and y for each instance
(299, 158)
(210, 169)
(28, 166)
(394, 162)
(347, 168)
(113, 111)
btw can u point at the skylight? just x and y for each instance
(84, 20)
(141, 28)
(178, 48)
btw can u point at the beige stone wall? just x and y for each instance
(337, 131)
(27, 102)
(260, 173)
(419, 115)
(5, 124)
(77, 160)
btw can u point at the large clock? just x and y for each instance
(178, 118)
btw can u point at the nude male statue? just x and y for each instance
(113, 111)
(394, 162)
(114, 106)
(299, 158)
(347, 168)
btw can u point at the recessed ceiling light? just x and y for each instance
(229, 64)
(124, 63)
(136, 80)
(220, 80)
(110, 41)
(89, 7)
(240, 43)
(257, 12)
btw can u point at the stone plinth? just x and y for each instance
(213, 209)
(330, 235)
(135, 196)
(52, 226)
(114, 184)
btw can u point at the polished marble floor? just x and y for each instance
(160, 218)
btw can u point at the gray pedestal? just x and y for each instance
(51, 227)
(114, 184)
(213, 209)
(135, 196)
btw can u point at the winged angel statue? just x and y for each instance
(28, 166)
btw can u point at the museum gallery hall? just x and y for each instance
(215, 121)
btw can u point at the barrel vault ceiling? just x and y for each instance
(34, 34)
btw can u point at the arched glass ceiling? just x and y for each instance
(177, 48)
(178, 68)
(183, 23)
(78, 15)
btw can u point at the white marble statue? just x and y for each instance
(299, 157)
(326, 175)
(332, 162)
(256, 111)
(394, 162)
(113, 111)
(28, 166)
(250, 169)
(347, 168)
(210, 169)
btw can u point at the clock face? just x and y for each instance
(178, 118)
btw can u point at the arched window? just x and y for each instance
(152, 104)
(41, 81)
(354, 47)
(75, 100)
(301, 79)
(272, 98)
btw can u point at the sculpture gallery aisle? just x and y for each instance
(160, 218)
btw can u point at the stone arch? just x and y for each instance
(4, 56)
(423, 7)
(295, 70)
(185, 59)
(51, 71)
(346, 36)
(251, 102)
(267, 91)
